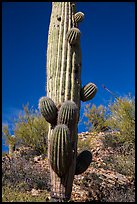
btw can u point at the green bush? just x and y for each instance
(124, 164)
(84, 144)
(31, 129)
(9, 139)
(21, 171)
(96, 118)
(111, 140)
(119, 116)
(121, 163)
(122, 118)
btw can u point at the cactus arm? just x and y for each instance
(83, 161)
(88, 92)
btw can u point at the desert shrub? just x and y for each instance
(97, 117)
(111, 140)
(31, 129)
(119, 116)
(84, 144)
(124, 164)
(122, 118)
(15, 195)
(17, 171)
(9, 139)
(121, 194)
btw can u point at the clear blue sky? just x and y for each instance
(108, 52)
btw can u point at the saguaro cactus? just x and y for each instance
(63, 71)
(11, 148)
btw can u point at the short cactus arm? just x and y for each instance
(88, 92)
(48, 109)
(83, 161)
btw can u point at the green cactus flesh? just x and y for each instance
(79, 16)
(68, 114)
(83, 161)
(48, 109)
(60, 150)
(73, 36)
(88, 92)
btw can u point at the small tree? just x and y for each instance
(31, 129)
(122, 118)
(118, 116)
(10, 140)
(97, 117)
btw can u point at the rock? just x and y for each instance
(34, 192)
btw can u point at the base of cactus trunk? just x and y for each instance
(57, 199)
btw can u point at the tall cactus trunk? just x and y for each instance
(63, 81)
(61, 106)
(63, 60)
(11, 149)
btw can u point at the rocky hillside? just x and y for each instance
(106, 180)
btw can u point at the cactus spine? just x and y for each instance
(63, 71)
